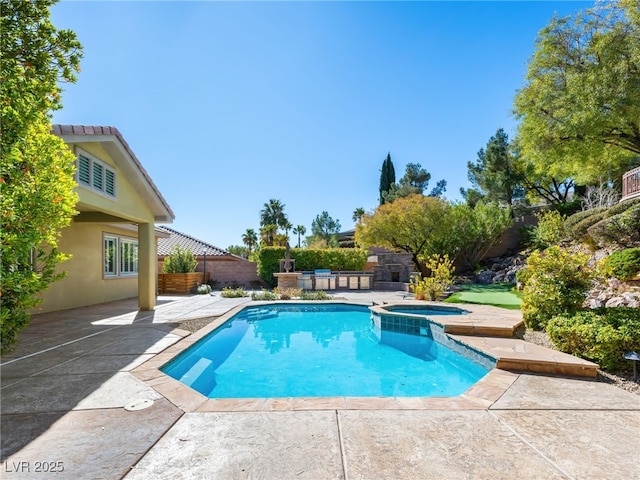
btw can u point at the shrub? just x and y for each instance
(263, 295)
(577, 217)
(578, 231)
(203, 289)
(555, 282)
(622, 229)
(624, 264)
(441, 277)
(315, 295)
(288, 293)
(603, 335)
(549, 231)
(179, 260)
(228, 292)
(623, 206)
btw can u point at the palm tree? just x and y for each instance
(267, 233)
(299, 230)
(286, 226)
(358, 213)
(273, 213)
(249, 238)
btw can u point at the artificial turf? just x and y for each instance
(499, 295)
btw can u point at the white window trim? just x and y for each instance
(95, 162)
(119, 242)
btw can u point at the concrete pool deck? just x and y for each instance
(73, 406)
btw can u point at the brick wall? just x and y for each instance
(226, 270)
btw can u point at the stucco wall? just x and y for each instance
(127, 202)
(84, 283)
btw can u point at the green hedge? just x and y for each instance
(622, 229)
(336, 259)
(624, 264)
(578, 231)
(571, 221)
(603, 335)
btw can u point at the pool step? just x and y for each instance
(505, 331)
(517, 355)
(261, 314)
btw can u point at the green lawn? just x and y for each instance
(499, 295)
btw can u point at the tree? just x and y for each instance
(494, 174)
(357, 214)
(299, 230)
(273, 213)
(268, 233)
(416, 224)
(541, 185)
(387, 177)
(250, 239)
(477, 229)
(414, 181)
(37, 197)
(324, 227)
(286, 226)
(239, 250)
(439, 189)
(580, 106)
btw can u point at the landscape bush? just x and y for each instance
(229, 292)
(601, 226)
(624, 264)
(287, 293)
(622, 230)
(314, 295)
(549, 231)
(264, 295)
(203, 289)
(180, 260)
(578, 232)
(440, 278)
(579, 216)
(603, 335)
(555, 282)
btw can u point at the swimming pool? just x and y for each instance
(319, 350)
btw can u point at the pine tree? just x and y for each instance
(387, 177)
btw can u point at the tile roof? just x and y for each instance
(62, 130)
(195, 246)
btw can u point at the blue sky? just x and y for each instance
(229, 104)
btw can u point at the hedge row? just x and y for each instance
(622, 229)
(603, 335)
(599, 225)
(306, 259)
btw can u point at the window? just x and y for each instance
(120, 256)
(94, 174)
(110, 256)
(128, 257)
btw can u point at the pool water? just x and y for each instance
(327, 350)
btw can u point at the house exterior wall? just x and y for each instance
(85, 283)
(128, 215)
(127, 202)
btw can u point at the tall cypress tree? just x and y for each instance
(387, 177)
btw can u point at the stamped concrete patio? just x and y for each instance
(81, 398)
